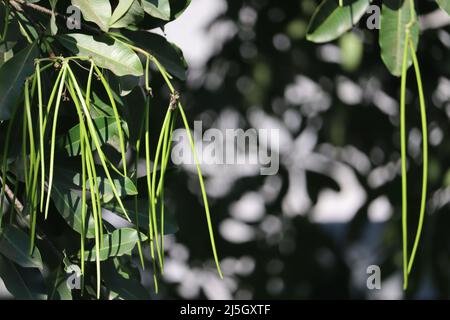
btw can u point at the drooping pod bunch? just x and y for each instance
(398, 39)
(38, 157)
(64, 95)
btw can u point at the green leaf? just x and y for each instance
(395, 15)
(124, 186)
(23, 284)
(15, 245)
(59, 288)
(125, 288)
(97, 11)
(157, 8)
(118, 243)
(68, 204)
(13, 74)
(169, 55)
(99, 107)
(177, 7)
(105, 52)
(330, 20)
(132, 18)
(444, 5)
(69, 177)
(107, 132)
(170, 225)
(121, 10)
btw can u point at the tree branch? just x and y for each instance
(12, 198)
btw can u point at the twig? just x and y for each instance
(12, 198)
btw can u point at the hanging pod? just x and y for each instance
(408, 261)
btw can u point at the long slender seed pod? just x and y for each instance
(136, 206)
(95, 139)
(166, 158)
(53, 93)
(91, 178)
(149, 189)
(117, 117)
(94, 189)
(403, 156)
(30, 133)
(83, 205)
(423, 116)
(153, 188)
(94, 171)
(136, 217)
(53, 138)
(88, 104)
(94, 192)
(41, 134)
(159, 148)
(161, 180)
(34, 202)
(202, 187)
(89, 85)
(34, 167)
(24, 151)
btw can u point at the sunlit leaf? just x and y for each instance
(97, 11)
(107, 131)
(330, 21)
(169, 55)
(106, 53)
(157, 8)
(120, 242)
(395, 16)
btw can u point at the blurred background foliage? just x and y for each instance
(334, 208)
